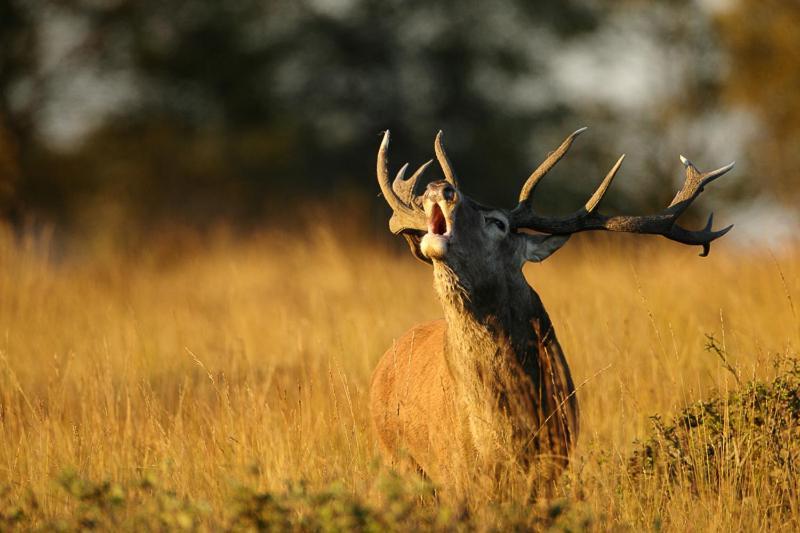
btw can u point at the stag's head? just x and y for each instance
(444, 226)
(473, 238)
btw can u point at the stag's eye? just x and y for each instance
(497, 222)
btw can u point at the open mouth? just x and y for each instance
(437, 223)
(435, 243)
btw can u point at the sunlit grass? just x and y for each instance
(224, 363)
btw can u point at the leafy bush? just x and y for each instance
(744, 441)
(402, 505)
(336, 509)
(106, 506)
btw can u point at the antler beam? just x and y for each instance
(587, 218)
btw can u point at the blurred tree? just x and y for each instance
(18, 92)
(234, 110)
(239, 104)
(650, 81)
(762, 39)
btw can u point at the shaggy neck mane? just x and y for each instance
(513, 383)
(510, 315)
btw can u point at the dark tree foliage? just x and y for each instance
(236, 111)
(18, 61)
(240, 105)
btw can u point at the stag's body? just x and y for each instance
(487, 391)
(486, 386)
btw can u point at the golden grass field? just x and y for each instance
(223, 362)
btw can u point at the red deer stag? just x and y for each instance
(488, 386)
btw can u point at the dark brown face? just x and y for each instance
(469, 237)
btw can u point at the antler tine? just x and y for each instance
(549, 162)
(405, 214)
(703, 237)
(604, 185)
(693, 185)
(444, 162)
(405, 188)
(383, 172)
(400, 176)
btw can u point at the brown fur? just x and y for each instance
(509, 406)
(411, 377)
(486, 392)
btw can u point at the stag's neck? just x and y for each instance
(505, 321)
(509, 372)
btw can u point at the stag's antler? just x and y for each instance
(400, 194)
(444, 162)
(587, 218)
(549, 162)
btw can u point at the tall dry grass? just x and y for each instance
(230, 362)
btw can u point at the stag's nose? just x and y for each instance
(440, 190)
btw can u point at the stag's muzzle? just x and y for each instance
(439, 201)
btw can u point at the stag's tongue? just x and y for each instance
(436, 222)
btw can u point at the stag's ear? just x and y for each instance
(540, 247)
(413, 241)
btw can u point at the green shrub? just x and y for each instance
(400, 505)
(745, 440)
